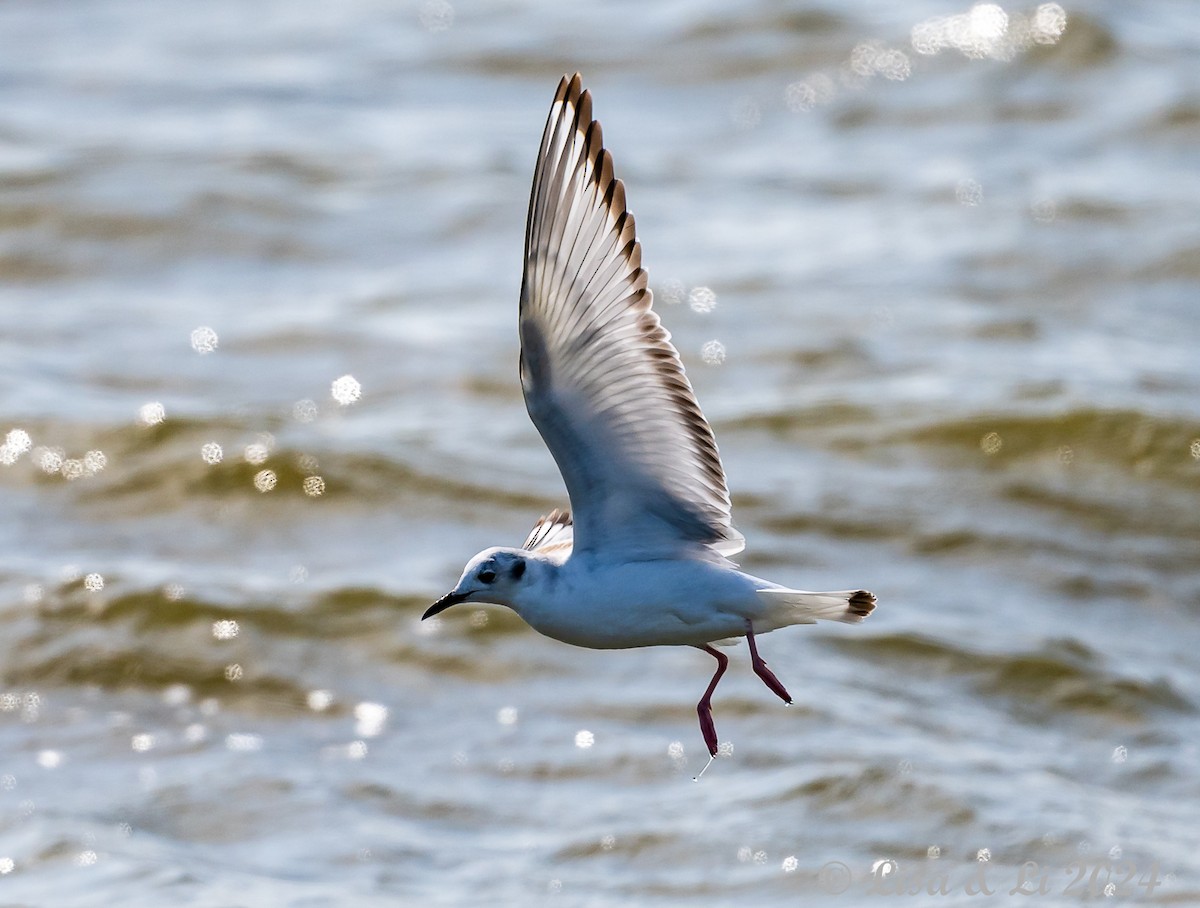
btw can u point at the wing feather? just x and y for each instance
(602, 382)
(552, 535)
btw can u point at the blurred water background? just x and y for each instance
(934, 271)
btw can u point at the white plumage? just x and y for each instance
(641, 558)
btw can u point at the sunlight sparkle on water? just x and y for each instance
(369, 719)
(987, 30)
(94, 462)
(226, 629)
(16, 443)
(933, 852)
(256, 453)
(1194, 447)
(211, 453)
(319, 700)
(991, 443)
(93, 582)
(969, 193)
(1120, 754)
(233, 672)
(507, 715)
(1049, 22)
(713, 353)
(672, 292)
(173, 591)
(151, 414)
(204, 340)
(7, 865)
(244, 742)
(87, 858)
(346, 390)
(49, 759)
(142, 743)
(265, 480)
(803, 96)
(873, 58)
(176, 694)
(49, 460)
(314, 486)
(790, 864)
(983, 855)
(304, 410)
(584, 739)
(702, 299)
(800, 97)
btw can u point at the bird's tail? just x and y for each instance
(801, 607)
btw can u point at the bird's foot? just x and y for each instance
(707, 727)
(761, 669)
(772, 682)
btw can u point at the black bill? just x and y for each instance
(444, 603)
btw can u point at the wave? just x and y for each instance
(1061, 677)
(1152, 446)
(158, 468)
(148, 639)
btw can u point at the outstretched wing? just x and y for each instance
(602, 382)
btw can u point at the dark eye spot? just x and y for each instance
(518, 570)
(487, 576)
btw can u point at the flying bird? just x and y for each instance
(642, 557)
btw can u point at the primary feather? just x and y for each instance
(602, 382)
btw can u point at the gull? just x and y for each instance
(643, 556)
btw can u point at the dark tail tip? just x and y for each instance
(861, 604)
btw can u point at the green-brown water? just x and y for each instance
(957, 300)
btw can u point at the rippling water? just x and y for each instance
(950, 259)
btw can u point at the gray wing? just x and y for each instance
(602, 382)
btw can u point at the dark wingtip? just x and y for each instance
(861, 603)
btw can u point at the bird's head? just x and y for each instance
(494, 575)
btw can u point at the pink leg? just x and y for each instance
(760, 668)
(704, 707)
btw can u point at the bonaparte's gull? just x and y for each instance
(642, 558)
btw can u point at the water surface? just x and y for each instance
(955, 295)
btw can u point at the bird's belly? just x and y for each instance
(654, 604)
